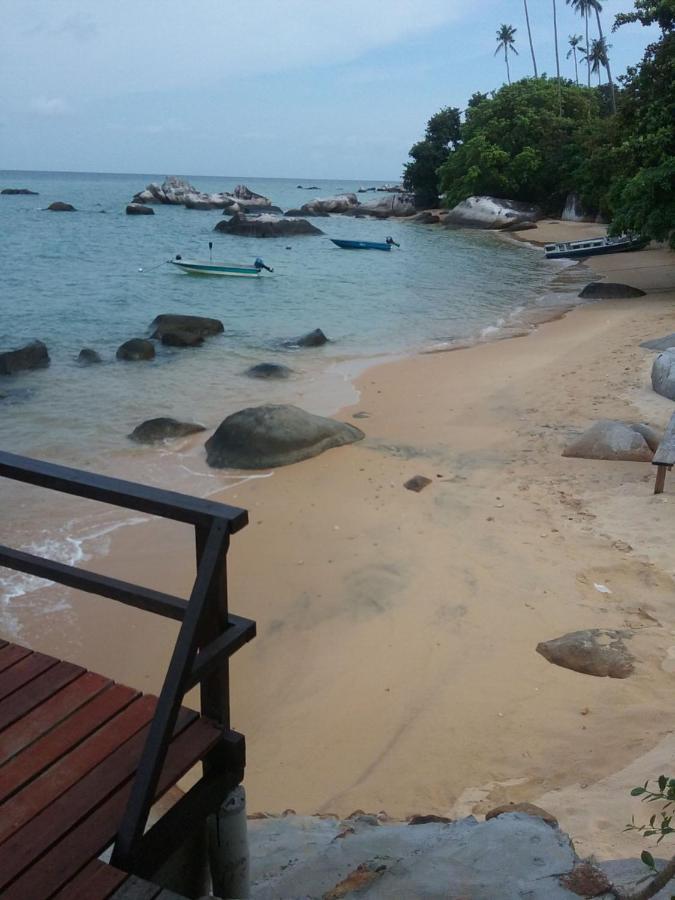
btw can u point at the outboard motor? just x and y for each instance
(259, 264)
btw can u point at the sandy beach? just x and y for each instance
(395, 665)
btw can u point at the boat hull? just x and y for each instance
(360, 245)
(579, 252)
(196, 267)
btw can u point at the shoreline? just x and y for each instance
(395, 663)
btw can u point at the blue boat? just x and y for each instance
(366, 245)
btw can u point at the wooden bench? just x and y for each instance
(664, 458)
(82, 759)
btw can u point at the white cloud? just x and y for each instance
(51, 106)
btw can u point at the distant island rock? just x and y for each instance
(177, 192)
(267, 436)
(265, 225)
(60, 206)
(31, 356)
(491, 212)
(16, 191)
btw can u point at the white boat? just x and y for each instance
(213, 267)
(593, 247)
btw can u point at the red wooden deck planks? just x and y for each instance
(12, 653)
(97, 881)
(36, 691)
(24, 671)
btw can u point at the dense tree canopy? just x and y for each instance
(541, 138)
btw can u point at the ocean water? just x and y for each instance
(97, 277)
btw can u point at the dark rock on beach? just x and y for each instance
(663, 374)
(417, 483)
(182, 339)
(135, 350)
(262, 437)
(154, 430)
(32, 356)
(88, 357)
(611, 440)
(269, 370)
(608, 290)
(15, 191)
(173, 323)
(59, 206)
(595, 651)
(139, 209)
(265, 226)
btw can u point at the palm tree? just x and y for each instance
(529, 34)
(596, 56)
(583, 7)
(574, 42)
(557, 56)
(597, 7)
(505, 40)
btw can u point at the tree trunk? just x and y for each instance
(557, 56)
(576, 68)
(529, 34)
(609, 71)
(506, 57)
(588, 62)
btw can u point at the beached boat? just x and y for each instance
(365, 245)
(214, 267)
(593, 247)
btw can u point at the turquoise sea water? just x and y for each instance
(73, 280)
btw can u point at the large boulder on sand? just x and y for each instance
(32, 356)
(154, 430)
(609, 290)
(262, 437)
(614, 441)
(491, 212)
(265, 226)
(663, 374)
(595, 651)
(173, 323)
(660, 344)
(135, 350)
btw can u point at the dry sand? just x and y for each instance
(395, 665)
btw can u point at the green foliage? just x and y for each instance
(420, 175)
(650, 12)
(517, 144)
(645, 203)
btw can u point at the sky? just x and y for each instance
(267, 88)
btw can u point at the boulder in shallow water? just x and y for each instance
(182, 339)
(32, 356)
(663, 374)
(609, 290)
(265, 226)
(139, 209)
(491, 212)
(135, 350)
(594, 651)
(611, 440)
(314, 338)
(262, 437)
(163, 428)
(88, 357)
(269, 370)
(59, 206)
(174, 323)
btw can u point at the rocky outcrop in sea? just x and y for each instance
(178, 192)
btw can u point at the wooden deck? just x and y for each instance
(70, 743)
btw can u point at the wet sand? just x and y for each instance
(395, 665)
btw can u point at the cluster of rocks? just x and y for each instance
(177, 192)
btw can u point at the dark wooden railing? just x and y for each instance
(208, 636)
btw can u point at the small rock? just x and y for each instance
(136, 349)
(663, 374)
(417, 483)
(361, 415)
(88, 357)
(154, 430)
(32, 356)
(428, 820)
(594, 651)
(314, 338)
(61, 207)
(528, 809)
(139, 209)
(611, 440)
(171, 322)
(357, 881)
(268, 370)
(608, 290)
